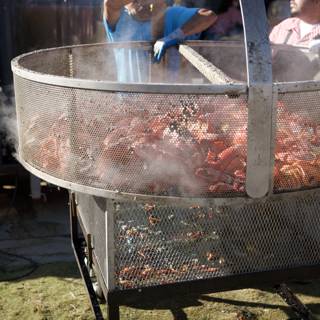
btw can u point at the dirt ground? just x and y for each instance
(39, 278)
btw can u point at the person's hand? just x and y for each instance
(161, 45)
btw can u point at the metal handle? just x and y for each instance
(260, 101)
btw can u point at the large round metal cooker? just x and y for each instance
(218, 145)
(202, 130)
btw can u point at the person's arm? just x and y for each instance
(112, 10)
(199, 22)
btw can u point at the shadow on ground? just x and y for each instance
(241, 307)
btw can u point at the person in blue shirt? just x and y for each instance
(150, 20)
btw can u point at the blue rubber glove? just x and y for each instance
(170, 40)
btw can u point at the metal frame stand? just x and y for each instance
(296, 305)
(114, 299)
(78, 249)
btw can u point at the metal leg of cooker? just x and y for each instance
(298, 307)
(113, 312)
(80, 256)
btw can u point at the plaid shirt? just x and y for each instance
(288, 32)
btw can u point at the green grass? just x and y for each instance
(56, 291)
(53, 291)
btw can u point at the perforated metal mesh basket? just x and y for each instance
(79, 125)
(153, 143)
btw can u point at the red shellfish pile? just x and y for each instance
(189, 151)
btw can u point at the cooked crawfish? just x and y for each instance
(153, 220)
(195, 235)
(149, 207)
(191, 150)
(211, 256)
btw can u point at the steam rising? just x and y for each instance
(294, 64)
(8, 121)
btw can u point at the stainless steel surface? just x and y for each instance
(65, 136)
(228, 56)
(275, 96)
(169, 200)
(158, 244)
(64, 123)
(301, 86)
(210, 71)
(92, 213)
(259, 74)
(87, 209)
(175, 245)
(111, 243)
(80, 129)
(117, 195)
(258, 53)
(49, 66)
(259, 140)
(300, 130)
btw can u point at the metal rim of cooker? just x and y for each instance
(91, 84)
(164, 200)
